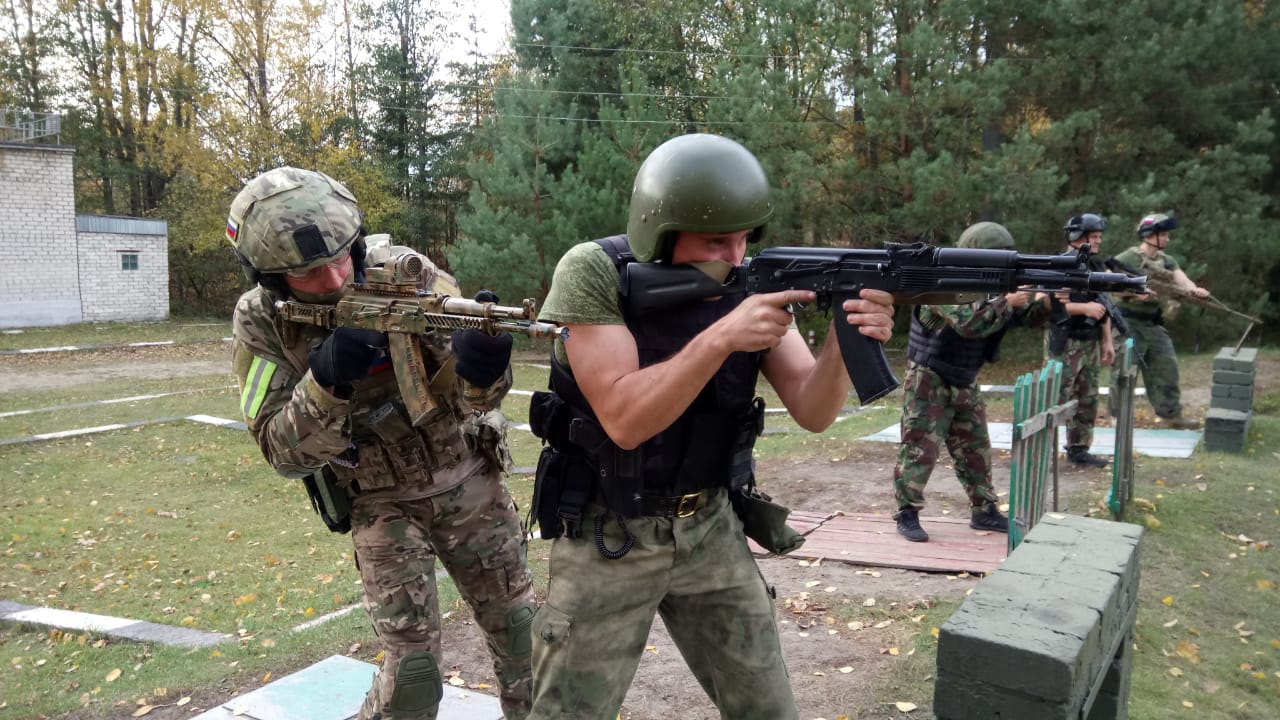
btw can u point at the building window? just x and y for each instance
(128, 261)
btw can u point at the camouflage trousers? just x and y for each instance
(934, 413)
(698, 574)
(1154, 354)
(474, 529)
(1081, 366)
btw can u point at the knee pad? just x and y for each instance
(419, 688)
(519, 624)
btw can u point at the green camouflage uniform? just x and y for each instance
(696, 572)
(423, 493)
(1152, 346)
(1081, 368)
(936, 413)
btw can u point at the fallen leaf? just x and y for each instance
(1168, 600)
(882, 624)
(893, 651)
(869, 602)
(183, 701)
(813, 583)
(1202, 487)
(1171, 623)
(1188, 704)
(113, 675)
(846, 669)
(933, 631)
(1188, 650)
(652, 648)
(905, 707)
(457, 681)
(143, 710)
(1176, 672)
(1266, 585)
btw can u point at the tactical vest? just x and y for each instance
(1075, 327)
(955, 358)
(708, 446)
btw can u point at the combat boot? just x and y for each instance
(1079, 455)
(1182, 422)
(988, 517)
(909, 525)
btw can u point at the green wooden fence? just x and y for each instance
(1125, 372)
(1036, 418)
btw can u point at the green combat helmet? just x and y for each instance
(1156, 223)
(291, 219)
(986, 236)
(699, 183)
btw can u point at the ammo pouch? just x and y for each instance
(486, 433)
(766, 521)
(329, 499)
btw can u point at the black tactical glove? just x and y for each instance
(345, 356)
(482, 358)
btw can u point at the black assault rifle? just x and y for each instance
(915, 274)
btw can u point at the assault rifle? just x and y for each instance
(391, 301)
(915, 274)
(1160, 284)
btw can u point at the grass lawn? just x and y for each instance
(184, 524)
(115, 333)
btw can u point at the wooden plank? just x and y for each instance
(873, 540)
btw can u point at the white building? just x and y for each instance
(57, 267)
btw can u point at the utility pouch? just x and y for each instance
(329, 499)
(487, 434)
(548, 486)
(766, 522)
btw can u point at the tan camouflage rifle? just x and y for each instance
(391, 301)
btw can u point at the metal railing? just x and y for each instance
(1036, 418)
(26, 126)
(1125, 372)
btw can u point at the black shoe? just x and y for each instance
(987, 517)
(1082, 457)
(909, 525)
(1182, 422)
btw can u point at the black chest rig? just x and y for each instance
(956, 358)
(708, 446)
(1075, 327)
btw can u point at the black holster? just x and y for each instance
(329, 499)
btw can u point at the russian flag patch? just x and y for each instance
(231, 230)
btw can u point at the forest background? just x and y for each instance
(875, 119)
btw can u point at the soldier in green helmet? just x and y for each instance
(941, 404)
(650, 425)
(1146, 315)
(324, 408)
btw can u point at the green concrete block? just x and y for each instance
(1231, 391)
(1039, 559)
(1217, 417)
(960, 698)
(1229, 359)
(1227, 403)
(1112, 701)
(1224, 443)
(1232, 377)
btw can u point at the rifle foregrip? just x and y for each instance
(865, 362)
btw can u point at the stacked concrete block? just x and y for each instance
(1049, 635)
(1226, 425)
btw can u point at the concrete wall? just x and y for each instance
(110, 292)
(39, 278)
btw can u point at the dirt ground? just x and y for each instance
(860, 482)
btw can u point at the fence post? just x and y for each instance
(1126, 374)
(1035, 436)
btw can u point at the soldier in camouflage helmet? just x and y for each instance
(325, 409)
(1079, 336)
(941, 404)
(1152, 346)
(650, 427)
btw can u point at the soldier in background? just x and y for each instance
(941, 403)
(1146, 314)
(1079, 336)
(325, 408)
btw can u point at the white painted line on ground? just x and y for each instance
(73, 433)
(70, 619)
(152, 343)
(520, 392)
(325, 618)
(135, 398)
(211, 420)
(64, 348)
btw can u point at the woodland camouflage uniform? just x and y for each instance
(417, 494)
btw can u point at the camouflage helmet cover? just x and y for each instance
(288, 218)
(699, 183)
(1079, 226)
(1156, 223)
(986, 236)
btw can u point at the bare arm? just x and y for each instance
(1181, 280)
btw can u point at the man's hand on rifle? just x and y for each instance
(482, 358)
(872, 312)
(1017, 300)
(345, 356)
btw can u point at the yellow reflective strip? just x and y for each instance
(255, 388)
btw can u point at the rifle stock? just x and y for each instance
(914, 274)
(391, 301)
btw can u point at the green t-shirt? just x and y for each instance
(584, 291)
(1160, 265)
